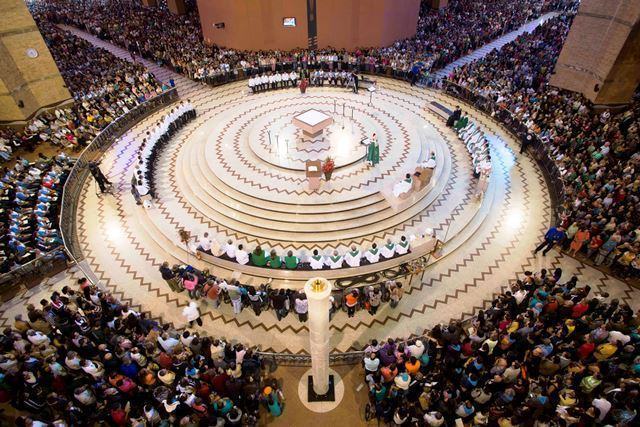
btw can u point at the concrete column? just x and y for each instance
(601, 56)
(177, 7)
(29, 78)
(318, 291)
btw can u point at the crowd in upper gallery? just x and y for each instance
(176, 40)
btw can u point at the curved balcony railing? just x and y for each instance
(79, 173)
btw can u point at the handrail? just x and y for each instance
(79, 172)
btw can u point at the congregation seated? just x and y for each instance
(546, 350)
(30, 196)
(85, 358)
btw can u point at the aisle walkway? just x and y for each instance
(496, 44)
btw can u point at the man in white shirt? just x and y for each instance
(285, 79)
(353, 257)
(252, 84)
(278, 80)
(264, 82)
(242, 257)
(204, 244)
(293, 76)
(272, 81)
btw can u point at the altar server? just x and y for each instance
(353, 257)
(230, 249)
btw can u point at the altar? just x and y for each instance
(312, 122)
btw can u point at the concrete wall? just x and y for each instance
(603, 49)
(254, 24)
(257, 24)
(36, 82)
(350, 24)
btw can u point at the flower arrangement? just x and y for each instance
(327, 167)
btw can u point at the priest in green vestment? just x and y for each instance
(259, 257)
(373, 151)
(291, 261)
(274, 260)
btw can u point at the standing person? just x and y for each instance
(273, 399)
(235, 295)
(351, 301)
(455, 116)
(581, 237)
(354, 76)
(554, 235)
(302, 307)
(190, 283)
(304, 83)
(375, 298)
(525, 142)
(99, 176)
(279, 302)
(211, 291)
(170, 277)
(192, 314)
(373, 151)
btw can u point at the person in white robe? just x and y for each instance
(230, 249)
(373, 254)
(388, 250)
(353, 257)
(403, 246)
(335, 260)
(316, 261)
(403, 186)
(242, 257)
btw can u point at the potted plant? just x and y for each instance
(327, 168)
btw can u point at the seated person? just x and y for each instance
(353, 257)
(291, 261)
(334, 261)
(274, 261)
(204, 244)
(373, 254)
(388, 250)
(259, 257)
(229, 249)
(404, 186)
(402, 247)
(242, 257)
(316, 261)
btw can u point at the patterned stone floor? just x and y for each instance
(210, 178)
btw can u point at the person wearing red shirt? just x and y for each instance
(579, 309)
(585, 350)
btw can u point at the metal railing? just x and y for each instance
(79, 173)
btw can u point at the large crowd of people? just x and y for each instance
(546, 352)
(83, 358)
(201, 285)
(104, 88)
(176, 40)
(595, 151)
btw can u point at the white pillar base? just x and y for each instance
(321, 407)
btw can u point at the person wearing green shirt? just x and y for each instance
(290, 261)
(462, 123)
(274, 260)
(259, 257)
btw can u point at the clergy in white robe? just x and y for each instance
(242, 257)
(335, 260)
(403, 186)
(403, 246)
(373, 254)
(230, 249)
(388, 250)
(353, 257)
(316, 261)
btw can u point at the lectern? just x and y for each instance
(314, 173)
